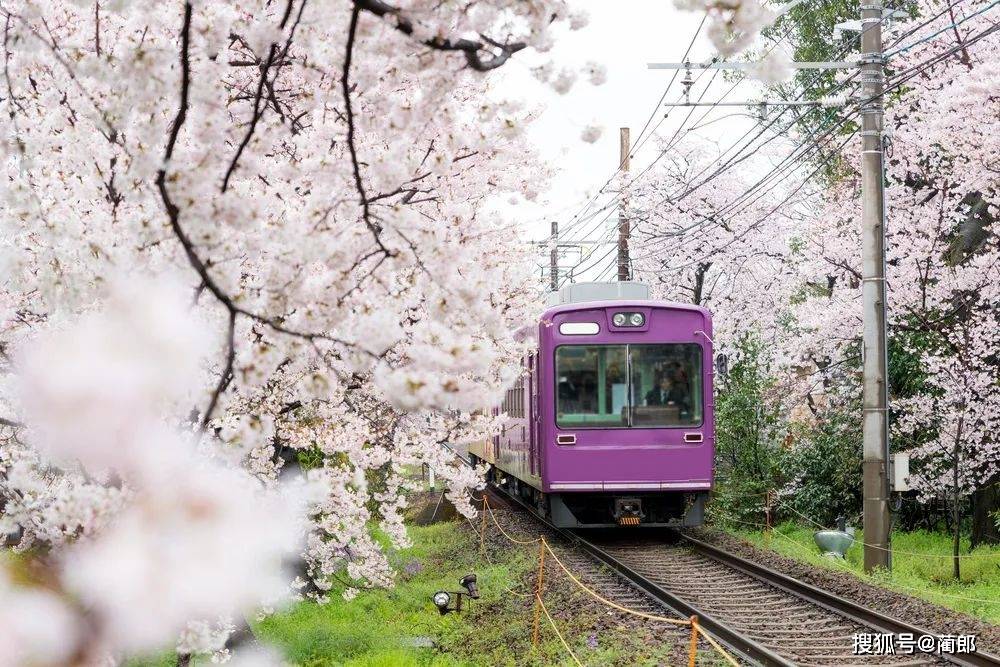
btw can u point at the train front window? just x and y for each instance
(621, 386)
(591, 385)
(666, 385)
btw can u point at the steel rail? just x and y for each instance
(744, 647)
(832, 602)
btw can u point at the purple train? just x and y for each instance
(612, 421)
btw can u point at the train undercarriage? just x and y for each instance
(677, 509)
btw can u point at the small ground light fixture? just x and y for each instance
(468, 582)
(442, 599)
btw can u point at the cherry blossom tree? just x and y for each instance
(244, 238)
(942, 255)
(942, 259)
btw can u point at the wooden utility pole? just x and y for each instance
(875, 468)
(554, 257)
(623, 222)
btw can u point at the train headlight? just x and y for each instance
(624, 320)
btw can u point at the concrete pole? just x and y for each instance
(873, 294)
(623, 223)
(554, 258)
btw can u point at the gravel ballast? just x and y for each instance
(923, 614)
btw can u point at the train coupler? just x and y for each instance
(628, 511)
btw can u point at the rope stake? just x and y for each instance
(482, 528)
(539, 582)
(693, 648)
(539, 606)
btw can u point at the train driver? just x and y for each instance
(667, 393)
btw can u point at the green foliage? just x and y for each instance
(378, 628)
(310, 458)
(748, 434)
(921, 567)
(907, 376)
(826, 462)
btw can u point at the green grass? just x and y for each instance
(378, 627)
(927, 575)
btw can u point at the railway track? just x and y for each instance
(764, 616)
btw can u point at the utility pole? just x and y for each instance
(875, 469)
(554, 257)
(875, 423)
(623, 222)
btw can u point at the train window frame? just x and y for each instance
(629, 427)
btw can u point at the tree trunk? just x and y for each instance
(985, 504)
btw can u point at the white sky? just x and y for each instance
(623, 35)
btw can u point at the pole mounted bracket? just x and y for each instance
(871, 59)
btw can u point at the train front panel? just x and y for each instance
(625, 413)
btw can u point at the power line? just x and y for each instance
(571, 223)
(790, 160)
(955, 24)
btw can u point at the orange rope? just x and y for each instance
(599, 597)
(543, 547)
(558, 634)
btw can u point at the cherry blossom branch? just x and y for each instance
(262, 83)
(174, 214)
(345, 83)
(227, 372)
(472, 49)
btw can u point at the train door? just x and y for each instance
(533, 438)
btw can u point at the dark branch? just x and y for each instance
(472, 49)
(227, 371)
(262, 84)
(10, 422)
(174, 215)
(345, 82)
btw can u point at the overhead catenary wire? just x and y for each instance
(670, 144)
(616, 196)
(737, 158)
(950, 26)
(748, 148)
(728, 208)
(687, 51)
(764, 217)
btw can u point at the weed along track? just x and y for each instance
(763, 616)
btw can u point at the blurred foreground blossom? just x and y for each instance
(591, 133)
(196, 539)
(36, 627)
